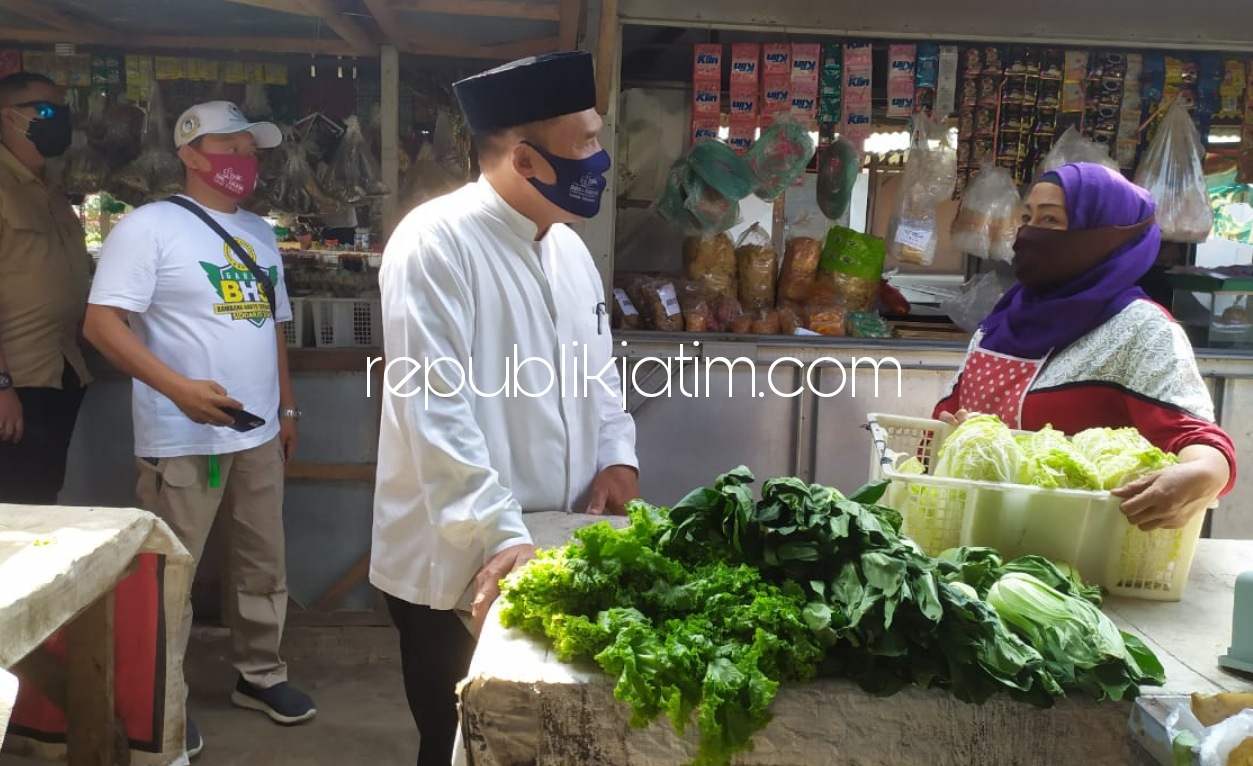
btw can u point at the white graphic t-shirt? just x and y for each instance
(200, 311)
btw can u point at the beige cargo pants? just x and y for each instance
(251, 493)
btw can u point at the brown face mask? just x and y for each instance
(1047, 259)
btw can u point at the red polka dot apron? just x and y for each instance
(997, 384)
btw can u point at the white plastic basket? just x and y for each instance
(297, 330)
(346, 322)
(1085, 529)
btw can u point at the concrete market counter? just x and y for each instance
(520, 705)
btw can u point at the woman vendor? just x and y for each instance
(1077, 345)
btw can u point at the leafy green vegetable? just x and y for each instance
(1120, 455)
(1055, 463)
(982, 449)
(704, 609)
(1082, 648)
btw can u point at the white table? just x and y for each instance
(520, 705)
(58, 569)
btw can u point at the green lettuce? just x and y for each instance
(1055, 463)
(1120, 455)
(982, 449)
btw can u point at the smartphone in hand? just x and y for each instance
(244, 421)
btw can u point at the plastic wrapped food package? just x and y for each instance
(930, 177)
(741, 324)
(801, 259)
(624, 315)
(780, 156)
(825, 314)
(868, 325)
(765, 322)
(758, 269)
(708, 210)
(725, 312)
(353, 174)
(695, 302)
(854, 262)
(658, 303)
(257, 102)
(987, 223)
(1172, 172)
(710, 261)
(791, 317)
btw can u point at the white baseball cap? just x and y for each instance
(221, 118)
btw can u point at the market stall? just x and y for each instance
(893, 241)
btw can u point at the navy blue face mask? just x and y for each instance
(580, 183)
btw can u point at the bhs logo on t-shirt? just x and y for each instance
(241, 295)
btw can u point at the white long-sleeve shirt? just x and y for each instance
(466, 448)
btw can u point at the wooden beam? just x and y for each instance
(606, 53)
(282, 6)
(50, 16)
(249, 44)
(357, 472)
(571, 14)
(426, 44)
(387, 22)
(510, 9)
(337, 360)
(343, 26)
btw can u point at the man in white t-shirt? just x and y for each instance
(202, 339)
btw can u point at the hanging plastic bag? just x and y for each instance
(709, 210)
(838, 167)
(854, 262)
(353, 173)
(780, 156)
(721, 168)
(710, 261)
(929, 179)
(257, 102)
(758, 269)
(1172, 172)
(976, 300)
(84, 171)
(1072, 147)
(157, 172)
(987, 223)
(295, 189)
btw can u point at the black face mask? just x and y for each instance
(52, 135)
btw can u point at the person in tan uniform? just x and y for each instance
(44, 277)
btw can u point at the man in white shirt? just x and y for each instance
(203, 343)
(490, 280)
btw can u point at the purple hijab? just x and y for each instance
(1028, 325)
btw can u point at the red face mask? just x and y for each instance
(234, 175)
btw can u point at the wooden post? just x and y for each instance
(390, 115)
(89, 686)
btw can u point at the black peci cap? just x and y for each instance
(528, 90)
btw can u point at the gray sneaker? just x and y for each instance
(195, 743)
(283, 703)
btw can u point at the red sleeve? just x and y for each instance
(1171, 430)
(948, 403)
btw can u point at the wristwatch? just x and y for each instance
(289, 414)
(6, 381)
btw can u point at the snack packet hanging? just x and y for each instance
(353, 173)
(710, 261)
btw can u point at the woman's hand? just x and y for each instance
(956, 418)
(1171, 497)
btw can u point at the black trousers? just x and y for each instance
(33, 470)
(435, 654)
